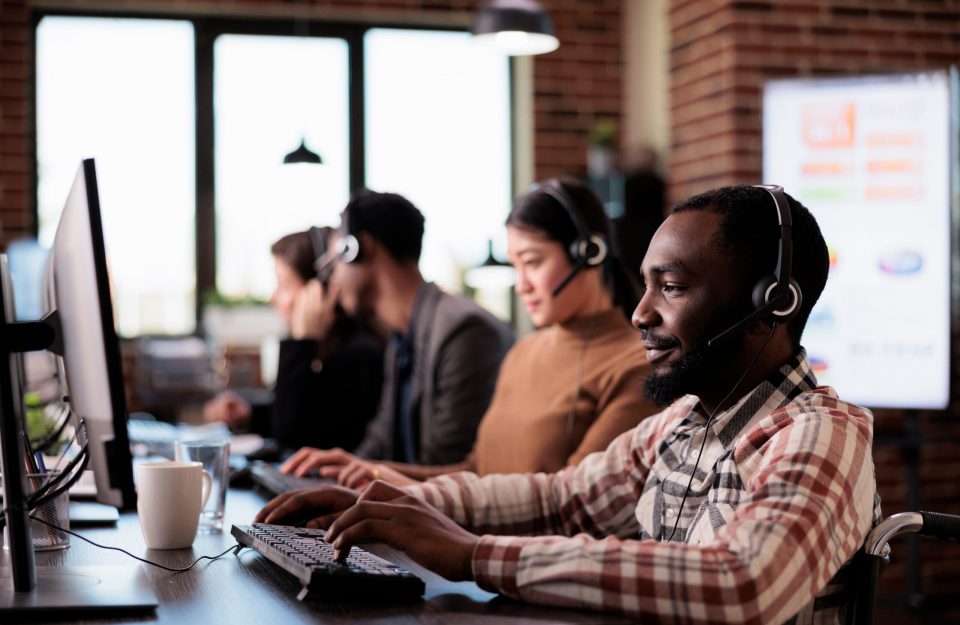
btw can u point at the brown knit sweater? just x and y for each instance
(525, 429)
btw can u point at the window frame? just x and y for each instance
(206, 31)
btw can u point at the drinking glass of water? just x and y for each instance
(214, 456)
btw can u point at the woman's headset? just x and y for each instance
(322, 258)
(589, 249)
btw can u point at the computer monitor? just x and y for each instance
(81, 329)
(78, 287)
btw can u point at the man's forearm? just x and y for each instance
(423, 472)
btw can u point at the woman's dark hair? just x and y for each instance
(297, 251)
(540, 211)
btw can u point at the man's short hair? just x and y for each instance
(390, 219)
(750, 230)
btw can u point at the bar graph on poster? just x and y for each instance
(871, 158)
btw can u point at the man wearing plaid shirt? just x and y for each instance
(740, 503)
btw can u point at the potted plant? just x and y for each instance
(601, 154)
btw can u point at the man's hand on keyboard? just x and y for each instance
(318, 507)
(360, 473)
(328, 462)
(386, 514)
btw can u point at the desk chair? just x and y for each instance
(876, 552)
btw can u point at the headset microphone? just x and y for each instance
(569, 277)
(776, 297)
(588, 249)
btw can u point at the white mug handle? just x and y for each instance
(205, 488)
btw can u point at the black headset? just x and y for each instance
(777, 296)
(348, 245)
(322, 259)
(589, 249)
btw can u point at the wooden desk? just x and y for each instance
(249, 589)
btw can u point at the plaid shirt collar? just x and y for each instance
(793, 378)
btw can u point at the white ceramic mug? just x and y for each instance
(170, 496)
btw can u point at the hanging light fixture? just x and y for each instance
(491, 273)
(302, 154)
(518, 27)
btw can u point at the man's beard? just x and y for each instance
(697, 364)
(693, 365)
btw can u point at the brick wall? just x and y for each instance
(577, 85)
(721, 53)
(16, 200)
(574, 87)
(723, 50)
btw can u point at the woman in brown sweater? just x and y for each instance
(567, 389)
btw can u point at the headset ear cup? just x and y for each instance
(573, 252)
(597, 250)
(590, 252)
(788, 313)
(761, 297)
(348, 248)
(760, 291)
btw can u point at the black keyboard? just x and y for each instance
(269, 478)
(303, 553)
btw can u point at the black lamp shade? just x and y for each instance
(491, 273)
(303, 154)
(529, 27)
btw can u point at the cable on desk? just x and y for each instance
(63, 481)
(55, 487)
(235, 549)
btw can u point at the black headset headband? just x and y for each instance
(784, 270)
(554, 189)
(322, 258)
(585, 236)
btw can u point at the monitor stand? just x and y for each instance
(74, 590)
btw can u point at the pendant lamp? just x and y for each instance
(491, 273)
(518, 27)
(303, 154)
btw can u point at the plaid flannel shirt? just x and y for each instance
(782, 498)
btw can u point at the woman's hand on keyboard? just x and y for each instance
(318, 507)
(328, 462)
(229, 408)
(387, 514)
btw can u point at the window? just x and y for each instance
(438, 132)
(269, 93)
(122, 91)
(426, 114)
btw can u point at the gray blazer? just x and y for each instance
(457, 351)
